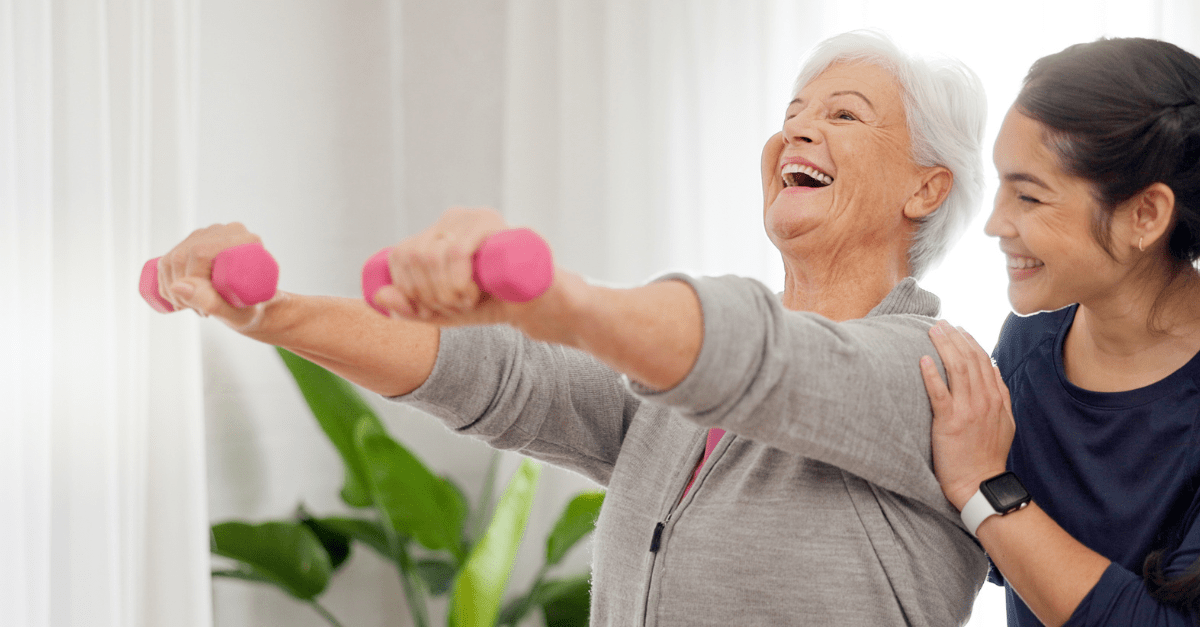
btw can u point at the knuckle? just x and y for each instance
(178, 257)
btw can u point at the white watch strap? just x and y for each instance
(976, 511)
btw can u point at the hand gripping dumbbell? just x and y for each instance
(513, 265)
(243, 275)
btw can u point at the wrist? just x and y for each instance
(960, 491)
(558, 315)
(997, 496)
(271, 321)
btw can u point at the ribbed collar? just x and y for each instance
(908, 298)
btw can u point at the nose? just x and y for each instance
(998, 224)
(799, 129)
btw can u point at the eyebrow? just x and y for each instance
(851, 92)
(1019, 177)
(847, 92)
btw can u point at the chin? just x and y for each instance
(1026, 305)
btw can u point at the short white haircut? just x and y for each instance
(946, 109)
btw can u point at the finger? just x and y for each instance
(979, 364)
(199, 296)
(426, 276)
(971, 339)
(939, 394)
(406, 279)
(446, 276)
(395, 301)
(953, 360)
(171, 267)
(466, 293)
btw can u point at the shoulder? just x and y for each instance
(1022, 335)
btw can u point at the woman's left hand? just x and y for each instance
(972, 419)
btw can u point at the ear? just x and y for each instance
(1151, 214)
(935, 186)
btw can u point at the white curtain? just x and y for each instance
(627, 131)
(633, 129)
(102, 493)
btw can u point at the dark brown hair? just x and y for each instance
(1123, 114)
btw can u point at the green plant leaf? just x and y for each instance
(560, 594)
(437, 574)
(244, 575)
(413, 500)
(367, 532)
(577, 520)
(286, 554)
(336, 543)
(480, 584)
(567, 602)
(338, 408)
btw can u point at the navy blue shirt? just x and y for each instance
(1118, 471)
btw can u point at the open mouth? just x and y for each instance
(796, 175)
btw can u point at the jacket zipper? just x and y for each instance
(656, 537)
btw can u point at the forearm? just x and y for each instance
(1051, 571)
(344, 335)
(652, 333)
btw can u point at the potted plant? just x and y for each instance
(420, 522)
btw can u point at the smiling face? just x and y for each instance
(1043, 217)
(844, 171)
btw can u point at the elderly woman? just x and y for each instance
(1098, 213)
(819, 504)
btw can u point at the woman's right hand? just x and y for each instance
(184, 276)
(973, 425)
(432, 275)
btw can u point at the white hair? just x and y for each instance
(946, 109)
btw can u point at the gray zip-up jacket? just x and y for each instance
(818, 507)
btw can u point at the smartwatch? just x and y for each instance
(1000, 495)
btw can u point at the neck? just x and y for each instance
(1133, 337)
(1143, 313)
(841, 289)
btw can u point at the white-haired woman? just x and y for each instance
(819, 506)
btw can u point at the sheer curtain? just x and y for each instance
(627, 131)
(101, 446)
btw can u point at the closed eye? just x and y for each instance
(1028, 199)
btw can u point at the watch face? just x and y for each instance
(1005, 492)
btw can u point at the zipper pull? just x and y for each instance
(657, 538)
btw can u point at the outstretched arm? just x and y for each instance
(390, 357)
(651, 333)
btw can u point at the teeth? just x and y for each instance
(1022, 263)
(813, 173)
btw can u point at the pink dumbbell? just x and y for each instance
(243, 275)
(513, 265)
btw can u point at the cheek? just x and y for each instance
(875, 172)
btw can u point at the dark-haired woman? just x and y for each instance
(1098, 214)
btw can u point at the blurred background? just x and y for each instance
(627, 132)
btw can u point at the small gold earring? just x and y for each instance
(1140, 244)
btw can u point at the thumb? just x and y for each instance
(199, 296)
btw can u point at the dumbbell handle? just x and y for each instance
(513, 265)
(243, 275)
